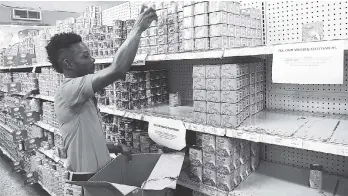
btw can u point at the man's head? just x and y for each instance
(69, 55)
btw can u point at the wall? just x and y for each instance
(48, 17)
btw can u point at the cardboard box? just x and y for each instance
(200, 106)
(201, 32)
(213, 108)
(218, 18)
(145, 175)
(214, 119)
(198, 71)
(200, 95)
(213, 84)
(201, 44)
(201, 8)
(221, 42)
(201, 20)
(199, 83)
(188, 11)
(213, 71)
(231, 96)
(188, 33)
(199, 117)
(232, 84)
(188, 22)
(213, 96)
(218, 30)
(188, 45)
(231, 108)
(215, 6)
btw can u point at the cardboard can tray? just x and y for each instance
(145, 175)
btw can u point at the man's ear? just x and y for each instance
(67, 64)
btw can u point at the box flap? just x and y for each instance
(113, 187)
(166, 172)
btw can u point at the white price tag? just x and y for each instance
(294, 142)
(239, 134)
(255, 137)
(34, 69)
(342, 150)
(168, 132)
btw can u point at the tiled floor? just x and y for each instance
(11, 184)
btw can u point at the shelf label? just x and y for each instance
(294, 142)
(140, 59)
(18, 166)
(168, 132)
(19, 135)
(309, 63)
(14, 87)
(31, 178)
(255, 137)
(342, 150)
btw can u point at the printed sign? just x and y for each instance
(31, 178)
(19, 135)
(168, 132)
(14, 87)
(309, 63)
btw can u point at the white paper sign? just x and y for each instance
(168, 132)
(309, 63)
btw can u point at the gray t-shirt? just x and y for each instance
(80, 123)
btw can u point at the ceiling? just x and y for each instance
(69, 6)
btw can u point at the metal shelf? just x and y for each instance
(291, 129)
(7, 154)
(44, 188)
(50, 154)
(281, 180)
(271, 179)
(47, 127)
(6, 128)
(46, 64)
(211, 54)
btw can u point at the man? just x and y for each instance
(75, 104)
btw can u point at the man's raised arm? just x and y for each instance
(126, 53)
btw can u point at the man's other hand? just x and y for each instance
(146, 17)
(126, 151)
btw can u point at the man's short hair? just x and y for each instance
(56, 44)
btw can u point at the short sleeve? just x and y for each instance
(78, 90)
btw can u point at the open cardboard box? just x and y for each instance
(145, 175)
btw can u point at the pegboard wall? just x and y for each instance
(318, 98)
(118, 12)
(261, 6)
(333, 164)
(284, 19)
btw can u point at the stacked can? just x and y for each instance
(222, 162)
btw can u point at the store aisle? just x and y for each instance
(11, 184)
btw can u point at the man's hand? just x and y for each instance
(126, 151)
(146, 17)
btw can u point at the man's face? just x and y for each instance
(81, 60)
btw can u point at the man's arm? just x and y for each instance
(126, 53)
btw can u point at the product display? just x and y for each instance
(222, 162)
(226, 95)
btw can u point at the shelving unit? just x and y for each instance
(7, 154)
(271, 179)
(320, 133)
